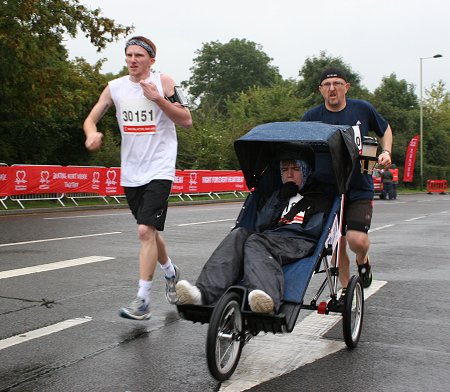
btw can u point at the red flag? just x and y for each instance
(410, 159)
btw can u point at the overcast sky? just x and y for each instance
(374, 37)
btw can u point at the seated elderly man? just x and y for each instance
(287, 229)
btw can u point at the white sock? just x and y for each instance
(144, 290)
(169, 270)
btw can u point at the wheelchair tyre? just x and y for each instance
(225, 337)
(353, 312)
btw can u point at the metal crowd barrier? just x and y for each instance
(74, 196)
(41, 196)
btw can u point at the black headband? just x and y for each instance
(142, 44)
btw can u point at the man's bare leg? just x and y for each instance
(148, 254)
(163, 256)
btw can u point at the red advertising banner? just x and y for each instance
(4, 180)
(111, 182)
(226, 181)
(208, 181)
(35, 179)
(21, 179)
(196, 181)
(178, 182)
(410, 159)
(104, 181)
(79, 179)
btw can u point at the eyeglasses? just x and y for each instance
(327, 85)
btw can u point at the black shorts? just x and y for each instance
(148, 203)
(358, 215)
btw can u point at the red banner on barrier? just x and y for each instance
(208, 181)
(410, 159)
(39, 179)
(101, 180)
(4, 180)
(227, 180)
(35, 179)
(111, 182)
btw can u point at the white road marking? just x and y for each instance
(84, 216)
(416, 218)
(202, 223)
(59, 239)
(53, 266)
(380, 228)
(37, 333)
(270, 356)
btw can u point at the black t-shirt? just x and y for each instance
(363, 114)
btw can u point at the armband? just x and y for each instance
(179, 97)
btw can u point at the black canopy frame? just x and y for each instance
(334, 147)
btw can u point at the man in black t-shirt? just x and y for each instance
(339, 110)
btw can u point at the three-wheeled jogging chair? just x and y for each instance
(231, 322)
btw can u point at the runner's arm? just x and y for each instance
(385, 157)
(93, 137)
(180, 115)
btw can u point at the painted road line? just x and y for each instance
(38, 333)
(270, 356)
(59, 239)
(416, 218)
(53, 266)
(380, 228)
(85, 216)
(206, 222)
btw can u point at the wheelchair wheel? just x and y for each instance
(353, 312)
(225, 338)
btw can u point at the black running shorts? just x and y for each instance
(148, 203)
(358, 215)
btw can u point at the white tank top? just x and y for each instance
(149, 139)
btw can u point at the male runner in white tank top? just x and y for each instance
(147, 119)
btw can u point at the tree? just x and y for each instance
(308, 86)
(437, 126)
(82, 89)
(38, 99)
(397, 102)
(222, 71)
(202, 146)
(260, 105)
(210, 143)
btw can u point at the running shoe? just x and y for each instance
(341, 300)
(365, 273)
(188, 294)
(137, 310)
(260, 302)
(171, 293)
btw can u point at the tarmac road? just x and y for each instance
(64, 275)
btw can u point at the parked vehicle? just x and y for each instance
(377, 183)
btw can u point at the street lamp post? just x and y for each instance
(421, 117)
